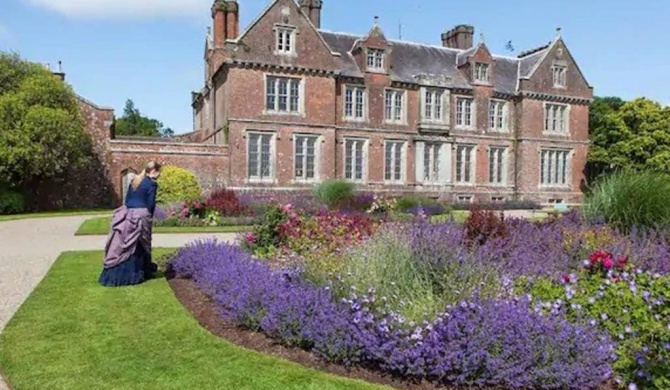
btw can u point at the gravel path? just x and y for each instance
(29, 247)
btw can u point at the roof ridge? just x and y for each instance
(538, 49)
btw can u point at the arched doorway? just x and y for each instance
(127, 176)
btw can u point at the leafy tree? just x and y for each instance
(134, 123)
(41, 132)
(628, 135)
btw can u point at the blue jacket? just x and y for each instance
(144, 197)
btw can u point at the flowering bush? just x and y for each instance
(261, 201)
(267, 235)
(381, 204)
(483, 225)
(226, 203)
(631, 304)
(475, 343)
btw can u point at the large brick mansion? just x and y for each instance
(287, 104)
(295, 104)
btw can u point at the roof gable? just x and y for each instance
(292, 6)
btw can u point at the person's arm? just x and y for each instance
(151, 196)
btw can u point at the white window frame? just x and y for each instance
(394, 158)
(260, 178)
(364, 163)
(435, 150)
(275, 80)
(559, 75)
(434, 98)
(461, 171)
(482, 72)
(554, 171)
(498, 121)
(496, 165)
(460, 113)
(394, 106)
(317, 158)
(464, 199)
(285, 36)
(354, 103)
(375, 59)
(497, 199)
(553, 124)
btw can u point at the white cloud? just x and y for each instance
(124, 9)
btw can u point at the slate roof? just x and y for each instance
(413, 59)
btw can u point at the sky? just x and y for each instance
(151, 51)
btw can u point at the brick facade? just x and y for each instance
(234, 105)
(283, 79)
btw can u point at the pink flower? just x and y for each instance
(608, 263)
(287, 208)
(250, 238)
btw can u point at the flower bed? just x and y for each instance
(473, 343)
(491, 302)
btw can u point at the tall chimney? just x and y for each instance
(219, 17)
(232, 19)
(459, 37)
(312, 9)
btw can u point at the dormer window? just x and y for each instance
(559, 72)
(481, 72)
(376, 60)
(285, 40)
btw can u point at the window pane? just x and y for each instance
(359, 102)
(348, 159)
(266, 163)
(348, 102)
(492, 115)
(388, 105)
(295, 95)
(271, 94)
(253, 155)
(359, 160)
(438, 105)
(468, 112)
(283, 94)
(398, 106)
(459, 112)
(428, 98)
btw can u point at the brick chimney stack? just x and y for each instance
(459, 37)
(232, 19)
(225, 14)
(312, 9)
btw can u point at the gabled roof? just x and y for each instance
(411, 60)
(267, 9)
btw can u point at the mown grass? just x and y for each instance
(100, 226)
(52, 214)
(73, 334)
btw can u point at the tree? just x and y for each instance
(41, 132)
(134, 123)
(628, 135)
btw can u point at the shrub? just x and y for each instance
(475, 343)
(267, 236)
(628, 200)
(11, 202)
(631, 305)
(480, 226)
(226, 203)
(413, 204)
(334, 192)
(507, 205)
(177, 185)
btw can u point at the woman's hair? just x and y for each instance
(151, 166)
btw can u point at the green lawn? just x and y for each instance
(100, 226)
(73, 334)
(51, 214)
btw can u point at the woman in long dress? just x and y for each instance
(128, 250)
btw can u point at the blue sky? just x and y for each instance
(151, 50)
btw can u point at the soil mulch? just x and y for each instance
(205, 312)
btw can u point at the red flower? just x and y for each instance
(608, 263)
(622, 261)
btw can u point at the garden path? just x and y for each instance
(29, 247)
